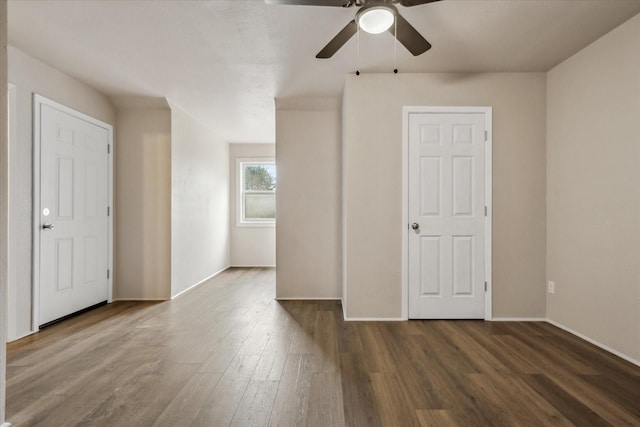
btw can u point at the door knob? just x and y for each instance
(415, 225)
(47, 226)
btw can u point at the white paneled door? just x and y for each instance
(73, 213)
(446, 215)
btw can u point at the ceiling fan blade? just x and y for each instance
(339, 3)
(410, 37)
(338, 41)
(409, 3)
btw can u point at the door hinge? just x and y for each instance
(485, 286)
(109, 274)
(108, 148)
(485, 211)
(486, 136)
(108, 210)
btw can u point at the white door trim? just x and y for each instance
(38, 102)
(11, 239)
(488, 113)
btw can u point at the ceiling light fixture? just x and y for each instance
(376, 19)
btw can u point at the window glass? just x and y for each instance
(258, 192)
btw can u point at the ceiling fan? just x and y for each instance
(374, 16)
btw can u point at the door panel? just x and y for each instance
(64, 188)
(74, 197)
(462, 265)
(462, 185)
(430, 185)
(430, 280)
(64, 264)
(446, 200)
(91, 259)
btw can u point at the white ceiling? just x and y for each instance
(224, 62)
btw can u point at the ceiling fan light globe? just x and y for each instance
(376, 20)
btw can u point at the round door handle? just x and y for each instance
(47, 226)
(415, 225)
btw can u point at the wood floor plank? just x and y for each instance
(325, 407)
(226, 353)
(97, 389)
(415, 365)
(159, 391)
(597, 400)
(127, 398)
(562, 359)
(574, 410)
(392, 401)
(223, 352)
(624, 393)
(221, 406)
(478, 356)
(522, 403)
(37, 414)
(302, 338)
(256, 404)
(436, 418)
(349, 337)
(183, 409)
(291, 404)
(270, 366)
(360, 407)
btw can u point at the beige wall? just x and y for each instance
(143, 204)
(33, 76)
(4, 207)
(372, 138)
(250, 246)
(593, 202)
(199, 202)
(308, 217)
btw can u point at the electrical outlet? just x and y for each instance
(551, 287)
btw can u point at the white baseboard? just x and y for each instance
(200, 282)
(139, 299)
(251, 266)
(308, 299)
(594, 342)
(5, 425)
(518, 319)
(374, 319)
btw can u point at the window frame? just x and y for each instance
(241, 221)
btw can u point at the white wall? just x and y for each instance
(250, 246)
(308, 214)
(372, 157)
(593, 201)
(33, 76)
(142, 252)
(199, 202)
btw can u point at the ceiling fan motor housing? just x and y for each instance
(360, 3)
(376, 18)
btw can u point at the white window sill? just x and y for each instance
(256, 224)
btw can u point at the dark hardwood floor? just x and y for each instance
(226, 353)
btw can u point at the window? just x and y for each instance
(257, 204)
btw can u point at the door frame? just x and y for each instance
(488, 120)
(11, 238)
(38, 102)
